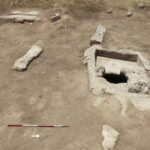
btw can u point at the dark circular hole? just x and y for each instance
(116, 78)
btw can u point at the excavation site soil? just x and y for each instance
(55, 87)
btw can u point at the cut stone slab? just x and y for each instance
(20, 12)
(22, 63)
(110, 136)
(97, 38)
(20, 18)
(55, 17)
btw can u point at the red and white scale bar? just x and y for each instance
(35, 125)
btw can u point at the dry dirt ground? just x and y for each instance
(55, 87)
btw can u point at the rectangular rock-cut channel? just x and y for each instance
(117, 55)
(114, 62)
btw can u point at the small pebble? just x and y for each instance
(35, 136)
(129, 14)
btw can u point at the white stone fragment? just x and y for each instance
(97, 38)
(35, 136)
(110, 136)
(22, 63)
(129, 14)
(20, 18)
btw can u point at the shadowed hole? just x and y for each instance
(115, 78)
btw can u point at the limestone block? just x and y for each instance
(19, 12)
(20, 18)
(110, 136)
(97, 38)
(22, 63)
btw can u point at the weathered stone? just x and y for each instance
(110, 136)
(97, 38)
(129, 14)
(20, 18)
(55, 17)
(22, 63)
(141, 5)
(109, 11)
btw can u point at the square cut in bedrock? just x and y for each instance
(118, 72)
(115, 65)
